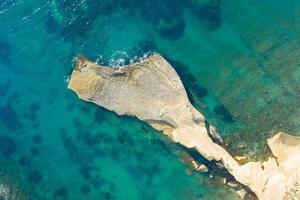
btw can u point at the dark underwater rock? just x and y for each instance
(34, 151)
(4, 88)
(194, 91)
(209, 14)
(60, 192)
(10, 118)
(35, 176)
(24, 160)
(199, 91)
(224, 113)
(86, 171)
(84, 109)
(37, 139)
(99, 115)
(7, 145)
(5, 52)
(34, 107)
(52, 25)
(125, 139)
(69, 146)
(89, 138)
(76, 28)
(173, 31)
(85, 189)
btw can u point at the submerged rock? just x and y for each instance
(214, 133)
(4, 192)
(233, 184)
(241, 193)
(152, 91)
(9, 118)
(202, 168)
(241, 159)
(7, 145)
(198, 167)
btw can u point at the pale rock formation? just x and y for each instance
(199, 167)
(152, 91)
(241, 193)
(214, 133)
(241, 159)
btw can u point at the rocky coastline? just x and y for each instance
(152, 91)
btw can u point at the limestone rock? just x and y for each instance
(241, 145)
(214, 133)
(152, 91)
(241, 159)
(223, 180)
(202, 168)
(241, 193)
(233, 184)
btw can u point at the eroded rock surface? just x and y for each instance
(152, 91)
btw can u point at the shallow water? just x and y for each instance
(239, 60)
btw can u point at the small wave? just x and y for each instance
(121, 58)
(67, 79)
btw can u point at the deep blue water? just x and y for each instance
(239, 61)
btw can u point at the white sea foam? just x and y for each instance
(67, 79)
(118, 58)
(121, 58)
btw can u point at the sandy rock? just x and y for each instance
(241, 193)
(214, 133)
(241, 145)
(194, 164)
(202, 168)
(223, 181)
(241, 159)
(233, 184)
(220, 165)
(198, 167)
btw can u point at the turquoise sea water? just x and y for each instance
(239, 60)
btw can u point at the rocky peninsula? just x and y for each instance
(152, 91)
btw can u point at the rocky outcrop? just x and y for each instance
(152, 91)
